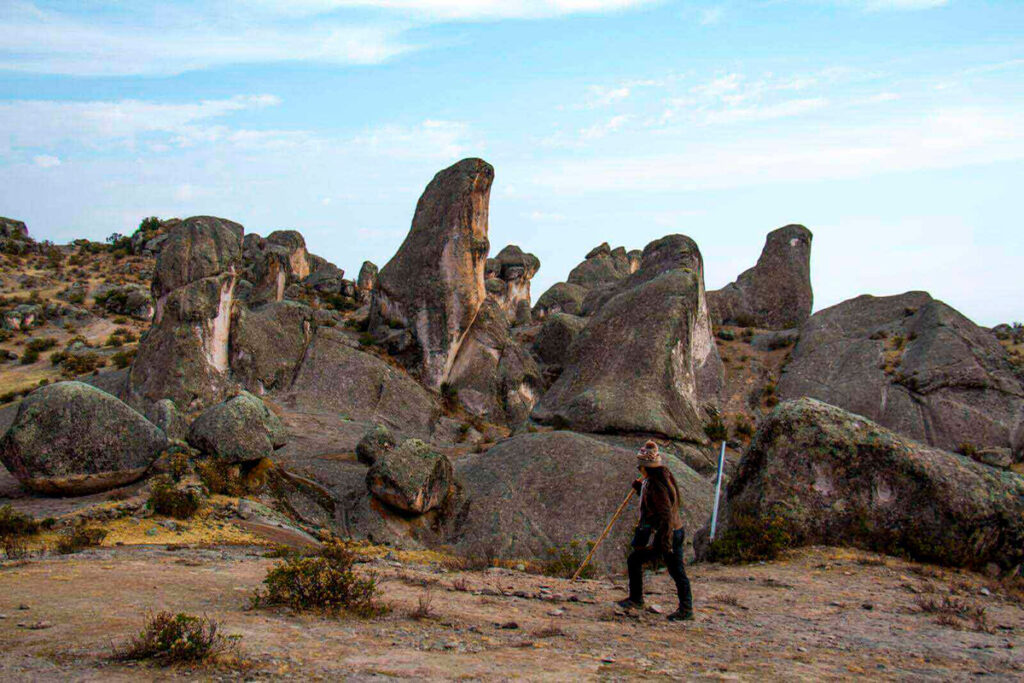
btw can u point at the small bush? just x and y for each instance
(326, 583)
(14, 547)
(81, 364)
(175, 638)
(743, 427)
(42, 344)
(424, 605)
(123, 359)
(780, 342)
(29, 357)
(564, 560)
(14, 523)
(220, 478)
(167, 499)
(967, 449)
(726, 335)
(449, 394)
(715, 429)
(79, 538)
(367, 339)
(750, 538)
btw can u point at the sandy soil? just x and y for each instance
(822, 613)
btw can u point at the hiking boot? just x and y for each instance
(680, 615)
(630, 604)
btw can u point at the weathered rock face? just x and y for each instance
(240, 429)
(13, 229)
(776, 293)
(562, 297)
(512, 270)
(914, 365)
(70, 438)
(366, 281)
(411, 478)
(532, 492)
(327, 280)
(646, 360)
(495, 377)
(165, 415)
(434, 285)
(130, 300)
(267, 344)
(602, 266)
(273, 263)
(556, 336)
(828, 476)
(184, 357)
(375, 444)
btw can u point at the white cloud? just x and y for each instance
(711, 15)
(600, 130)
(602, 95)
(101, 124)
(903, 5)
(461, 9)
(429, 139)
(545, 217)
(763, 113)
(46, 161)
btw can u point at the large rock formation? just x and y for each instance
(434, 285)
(495, 376)
(273, 263)
(556, 337)
(821, 475)
(184, 356)
(13, 229)
(533, 492)
(646, 361)
(508, 278)
(774, 294)
(914, 365)
(602, 268)
(411, 478)
(267, 344)
(240, 429)
(70, 438)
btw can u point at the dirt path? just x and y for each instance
(807, 618)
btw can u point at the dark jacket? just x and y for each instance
(659, 506)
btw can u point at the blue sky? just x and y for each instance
(894, 129)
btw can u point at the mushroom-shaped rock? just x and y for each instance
(411, 478)
(374, 444)
(818, 474)
(511, 271)
(240, 429)
(70, 439)
(776, 293)
(434, 285)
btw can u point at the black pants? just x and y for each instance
(672, 560)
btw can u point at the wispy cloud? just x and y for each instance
(46, 161)
(601, 95)
(460, 10)
(903, 5)
(600, 130)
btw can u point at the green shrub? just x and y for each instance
(29, 357)
(726, 335)
(14, 523)
(220, 478)
(179, 502)
(123, 359)
(564, 560)
(715, 428)
(175, 638)
(325, 583)
(367, 339)
(82, 363)
(743, 427)
(41, 344)
(967, 449)
(449, 394)
(79, 538)
(752, 538)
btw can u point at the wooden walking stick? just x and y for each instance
(603, 534)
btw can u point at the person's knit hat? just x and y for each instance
(648, 455)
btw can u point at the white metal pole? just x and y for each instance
(718, 491)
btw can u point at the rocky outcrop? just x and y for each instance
(329, 279)
(602, 268)
(646, 361)
(13, 229)
(273, 263)
(434, 285)
(533, 492)
(70, 438)
(562, 297)
(817, 474)
(184, 357)
(131, 300)
(556, 336)
(22, 317)
(267, 344)
(774, 294)
(914, 365)
(411, 478)
(377, 441)
(508, 278)
(240, 429)
(366, 281)
(165, 415)
(496, 378)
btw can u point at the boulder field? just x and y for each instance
(427, 403)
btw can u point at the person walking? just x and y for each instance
(659, 533)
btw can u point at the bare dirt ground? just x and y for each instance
(822, 613)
